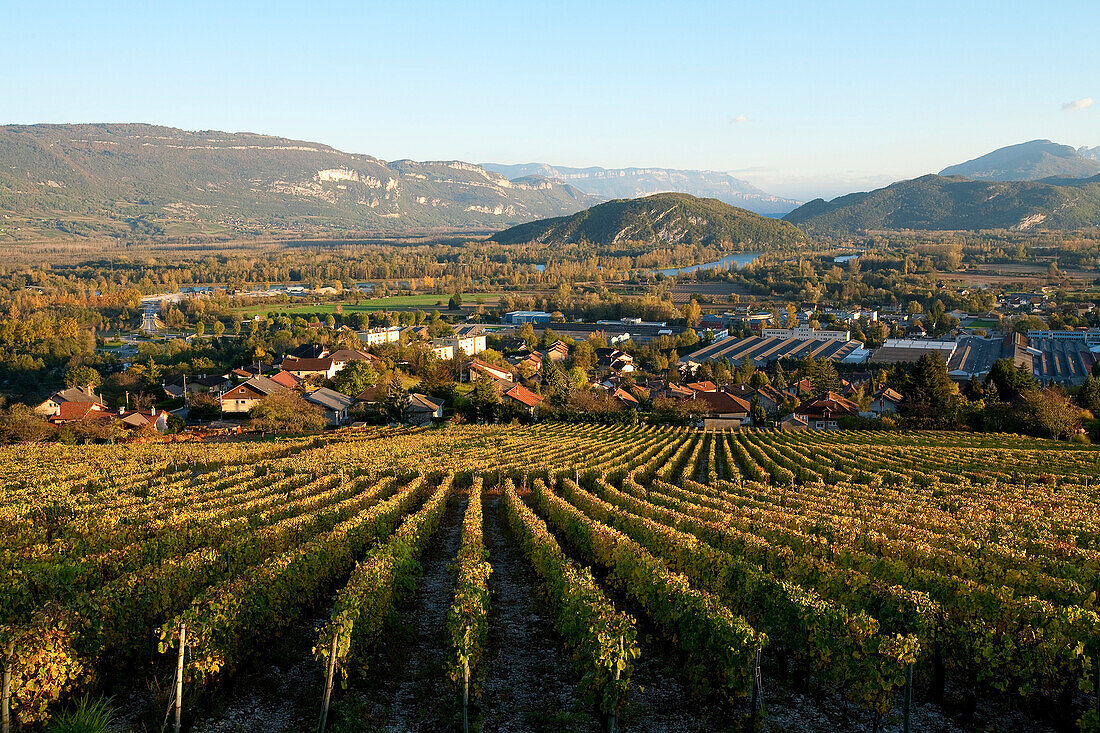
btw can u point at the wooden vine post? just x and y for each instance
(179, 674)
(465, 682)
(613, 718)
(5, 694)
(330, 672)
(908, 696)
(756, 691)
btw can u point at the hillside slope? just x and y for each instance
(1030, 161)
(132, 180)
(939, 202)
(661, 219)
(616, 183)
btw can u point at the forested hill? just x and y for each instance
(61, 181)
(946, 203)
(661, 219)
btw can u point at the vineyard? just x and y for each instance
(881, 575)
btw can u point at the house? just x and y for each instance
(625, 399)
(211, 384)
(512, 343)
(705, 386)
(334, 405)
(769, 398)
(423, 409)
(724, 410)
(793, 422)
(441, 349)
(286, 379)
(369, 396)
(77, 411)
(82, 394)
(309, 351)
(823, 411)
(886, 402)
(305, 368)
(379, 336)
(524, 398)
(476, 366)
(140, 419)
(342, 357)
(464, 345)
(558, 351)
(531, 364)
(800, 388)
(246, 395)
(676, 392)
(616, 360)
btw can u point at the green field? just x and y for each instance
(394, 302)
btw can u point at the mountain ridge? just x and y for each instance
(133, 179)
(635, 181)
(1030, 161)
(934, 202)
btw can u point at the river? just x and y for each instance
(740, 259)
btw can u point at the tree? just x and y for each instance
(287, 413)
(559, 388)
(692, 313)
(1052, 413)
(930, 390)
(200, 328)
(455, 302)
(395, 402)
(219, 328)
(204, 406)
(21, 424)
(1010, 380)
(1089, 397)
(780, 380)
(355, 377)
(527, 333)
(483, 399)
(82, 376)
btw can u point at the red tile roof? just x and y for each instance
(291, 364)
(723, 403)
(521, 394)
(78, 410)
(286, 379)
(829, 404)
(702, 386)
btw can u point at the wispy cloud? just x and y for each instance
(1077, 104)
(742, 118)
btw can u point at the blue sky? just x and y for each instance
(803, 98)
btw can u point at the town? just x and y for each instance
(803, 366)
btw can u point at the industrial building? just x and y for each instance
(764, 349)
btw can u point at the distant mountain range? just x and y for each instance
(616, 183)
(125, 180)
(1030, 161)
(954, 202)
(661, 219)
(140, 181)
